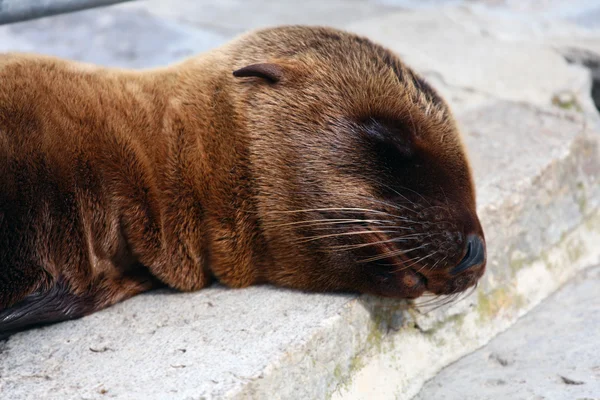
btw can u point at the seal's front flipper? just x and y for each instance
(39, 308)
(59, 303)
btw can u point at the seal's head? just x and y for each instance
(362, 182)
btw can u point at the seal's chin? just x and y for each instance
(400, 283)
(392, 278)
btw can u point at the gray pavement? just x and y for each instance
(552, 353)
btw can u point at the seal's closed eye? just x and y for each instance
(390, 140)
(268, 71)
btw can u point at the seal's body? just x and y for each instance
(322, 163)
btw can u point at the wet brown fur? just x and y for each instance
(112, 181)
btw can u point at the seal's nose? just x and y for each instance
(475, 255)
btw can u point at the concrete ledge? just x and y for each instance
(537, 164)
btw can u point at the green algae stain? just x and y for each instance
(343, 376)
(566, 101)
(581, 198)
(575, 250)
(517, 263)
(489, 305)
(357, 363)
(337, 373)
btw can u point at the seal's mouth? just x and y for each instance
(398, 276)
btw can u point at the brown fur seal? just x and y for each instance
(323, 163)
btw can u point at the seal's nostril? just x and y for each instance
(475, 254)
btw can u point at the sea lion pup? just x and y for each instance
(302, 157)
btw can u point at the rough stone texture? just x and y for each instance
(163, 345)
(532, 133)
(551, 353)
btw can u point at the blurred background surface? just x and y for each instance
(157, 32)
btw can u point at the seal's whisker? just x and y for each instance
(353, 196)
(392, 240)
(390, 254)
(421, 259)
(467, 293)
(449, 300)
(417, 193)
(441, 260)
(444, 300)
(385, 203)
(436, 299)
(396, 206)
(424, 265)
(344, 209)
(455, 297)
(330, 221)
(430, 298)
(413, 261)
(402, 267)
(397, 228)
(312, 238)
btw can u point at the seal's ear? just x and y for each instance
(268, 71)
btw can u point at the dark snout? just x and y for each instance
(474, 256)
